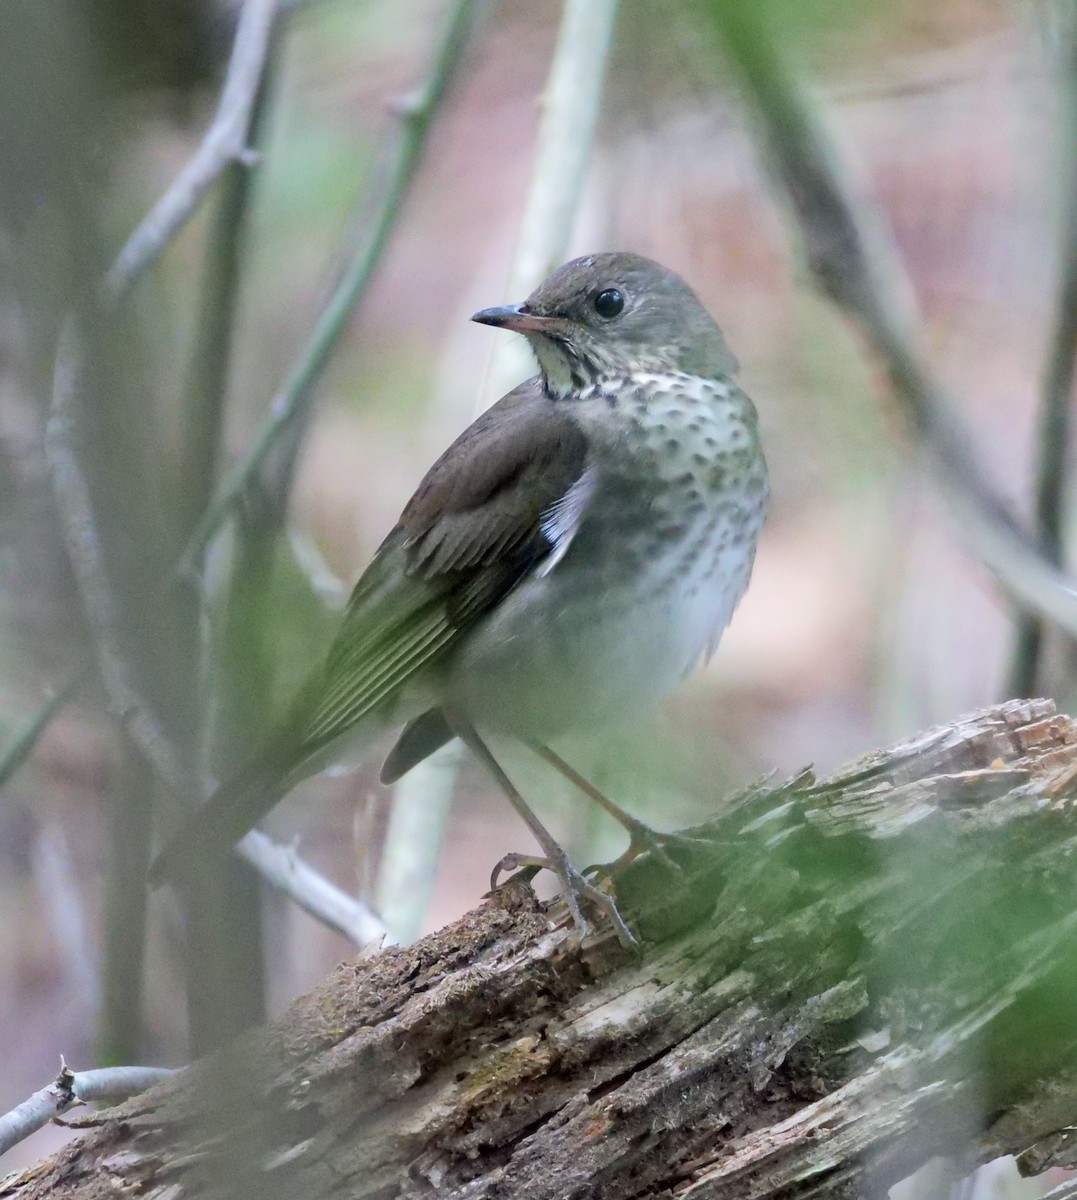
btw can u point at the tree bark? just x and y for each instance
(845, 978)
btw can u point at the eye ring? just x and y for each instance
(609, 303)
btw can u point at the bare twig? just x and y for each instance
(281, 867)
(857, 267)
(1056, 415)
(289, 408)
(224, 965)
(418, 818)
(324, 583)
(225, 142)
(566, 137)
(71, 489)
(570, 108)
(29, 732)
(286, 871)
(422, 802)
(219, 288)
(111, 1084)
(1067, 1190)
(152, 751)
(58, 887)
(129, 819)
(289, 405)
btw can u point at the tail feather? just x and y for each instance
(211, 831)
(243, 800)
(420, 737)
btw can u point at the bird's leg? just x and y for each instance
(576, 887)
(641, 837)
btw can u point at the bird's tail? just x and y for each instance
(213, 829)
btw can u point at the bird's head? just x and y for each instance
(612, 315)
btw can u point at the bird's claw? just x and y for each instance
(514, 862)
(576, 888)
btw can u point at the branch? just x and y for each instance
(222, 671)
(29, 732)
(290, 404)
(111, 1085)
(128, 821)
(225, 143)
(1064, 1191)
(844, 979)
(74, 504)
(570, 106)
(419, 814)
(857, 267)
(1055, 419)
(281, 867)
(71, 926)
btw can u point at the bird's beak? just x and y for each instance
(513, 316)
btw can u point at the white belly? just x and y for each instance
(548, 664)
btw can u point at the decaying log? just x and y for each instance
(846, 978)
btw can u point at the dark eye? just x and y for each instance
(609, 303)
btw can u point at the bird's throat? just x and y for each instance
(565, 373)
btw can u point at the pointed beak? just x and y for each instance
(513, 316)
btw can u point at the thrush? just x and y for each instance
(573, 554)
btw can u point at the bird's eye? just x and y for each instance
(609, 303)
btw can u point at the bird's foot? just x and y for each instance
(578, 891)
(645, 840)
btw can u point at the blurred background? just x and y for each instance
(865, 621)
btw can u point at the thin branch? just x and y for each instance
(111, 1085)
(225, 142)
(1056, 415)
(29, 732)
(211, 356)
(856, 266)
(74, 505)
(418, 819)
(1067, 1190)
(570, 107)
(57, 884)
(224, 966)
(151, 750)
(289, 405)
(422, 802)
(323, 581)
(285, 870)
(287, 412)
(129, 819)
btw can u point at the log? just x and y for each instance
(844, 978)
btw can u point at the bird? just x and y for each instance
(571, 556)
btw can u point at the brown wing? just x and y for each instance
(505, 498)
(485, 498)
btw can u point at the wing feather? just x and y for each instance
(505, 499)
